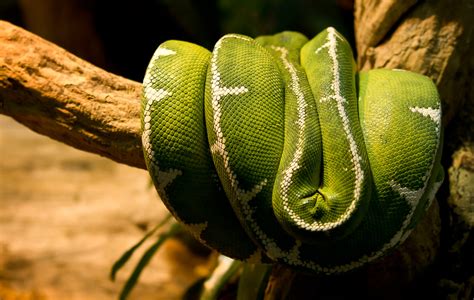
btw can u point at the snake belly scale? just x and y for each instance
(276, 149)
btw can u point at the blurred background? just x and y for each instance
(67, 215)
(121, 36)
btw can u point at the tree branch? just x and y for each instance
(68, 99)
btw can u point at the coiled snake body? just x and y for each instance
(275, 149)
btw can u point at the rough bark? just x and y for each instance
(68, 99)
(279, 283)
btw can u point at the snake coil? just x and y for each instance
(276, 149)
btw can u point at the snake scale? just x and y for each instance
(276, 149)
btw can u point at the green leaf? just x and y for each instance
(253, 281)
(126, 256)
(224, 271)
(132, 280)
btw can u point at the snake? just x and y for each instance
(278, 150)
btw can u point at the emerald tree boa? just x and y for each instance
(276, 149)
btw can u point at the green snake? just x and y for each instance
(276, 149)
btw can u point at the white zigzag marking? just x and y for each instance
(219, 148)
(412, 197)
(217, 92)
(295, 162)
(159, 52)
(150, 92)
(331, 44)
(325, 45)
(293, 256)
(152, 95)
(433, 113)
(164, 178)
(431, 194)
(162, 51)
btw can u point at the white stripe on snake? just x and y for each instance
(278, 150)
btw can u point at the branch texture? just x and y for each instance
(68, 99)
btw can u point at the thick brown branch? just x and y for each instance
(59, 95)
